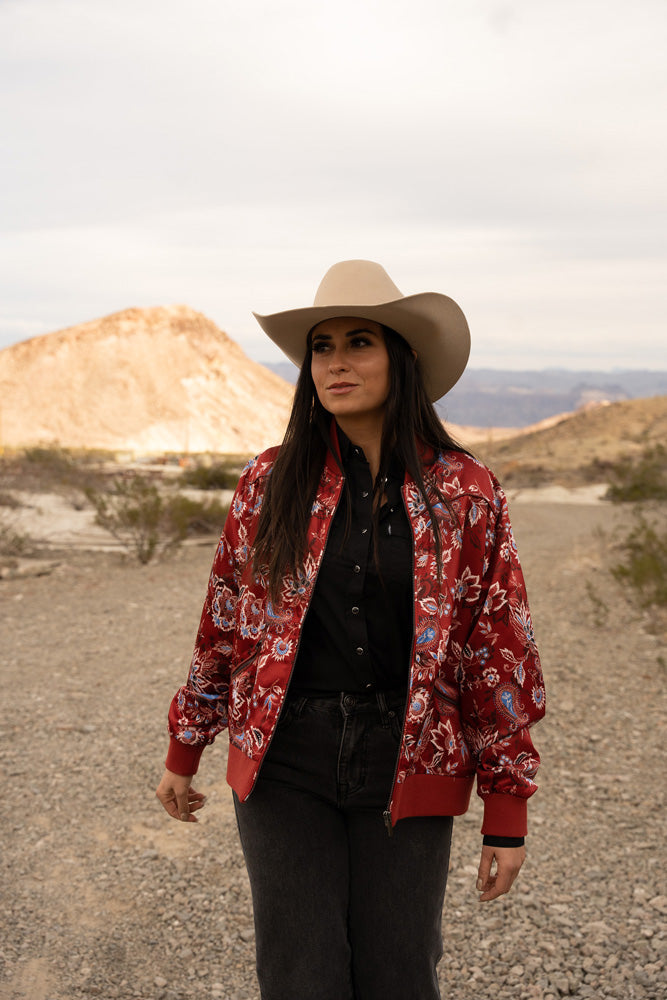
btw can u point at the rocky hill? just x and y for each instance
(577, 448)
(142, 380)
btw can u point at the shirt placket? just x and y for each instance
(359, 548)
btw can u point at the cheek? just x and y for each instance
(318, 372)
(384, 381)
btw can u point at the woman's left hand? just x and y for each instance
(508, 862)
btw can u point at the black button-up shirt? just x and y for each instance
(358, 631)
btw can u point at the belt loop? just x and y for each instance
(382, 706)
(299, 706)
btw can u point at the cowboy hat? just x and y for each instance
(431, 323)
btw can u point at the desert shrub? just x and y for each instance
(189, 517)
(52, 466)
(8, 500)
(644, 564)
(219, 476)
(12, 542)
(132, 511)
(147, 523)
(645, 479)
(57, 470)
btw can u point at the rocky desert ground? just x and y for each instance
(104, 896)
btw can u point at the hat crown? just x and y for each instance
(356, 283)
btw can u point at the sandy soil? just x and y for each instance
(103, 896)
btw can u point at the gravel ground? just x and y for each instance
(103, 896)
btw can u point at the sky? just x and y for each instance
(509, 153)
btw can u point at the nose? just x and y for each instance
(337, 362)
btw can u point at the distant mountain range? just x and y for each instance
(485, 397)
(166, 379)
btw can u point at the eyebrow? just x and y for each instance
(350, 333)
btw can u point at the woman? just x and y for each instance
(367, 641)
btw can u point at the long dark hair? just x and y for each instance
(409, 418)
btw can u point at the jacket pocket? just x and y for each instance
(247, 660)
(242, 683)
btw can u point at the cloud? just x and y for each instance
(226, 155)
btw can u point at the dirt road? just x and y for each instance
(103, 896)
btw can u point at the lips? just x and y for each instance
(341, 388)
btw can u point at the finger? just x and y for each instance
(170, 806)
(183, 805)
(500, 883)
(484, 870)
(196, 801)
(505, 877)
(495, 888)
(166, 800)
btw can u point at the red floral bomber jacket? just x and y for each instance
(475, 682)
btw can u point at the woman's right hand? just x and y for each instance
(178, 797)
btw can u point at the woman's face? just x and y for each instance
(350, 367)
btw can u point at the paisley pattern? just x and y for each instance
(475, 679)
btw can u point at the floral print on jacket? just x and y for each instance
(475, 683)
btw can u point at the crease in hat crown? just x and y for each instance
(356, 283)
(432, 323)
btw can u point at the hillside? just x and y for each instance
(141, 380)
(488, 398)
(579, 447)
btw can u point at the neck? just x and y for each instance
(367, 435)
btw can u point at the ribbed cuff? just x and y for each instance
(182, 759)
(505, 815)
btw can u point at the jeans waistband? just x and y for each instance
(387, 703)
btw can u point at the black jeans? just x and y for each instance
(342, 910)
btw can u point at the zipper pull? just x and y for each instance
(387, 822)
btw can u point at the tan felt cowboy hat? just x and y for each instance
(432, 323)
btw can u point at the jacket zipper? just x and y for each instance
(298, 645)
(386, 815)
(254, 653)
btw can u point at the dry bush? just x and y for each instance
(146, 522)
(643, 565)
(644, 562)
(644, 478)
(220, 475)
(13, 542)
(55, 470)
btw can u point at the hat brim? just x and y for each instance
(432, 324)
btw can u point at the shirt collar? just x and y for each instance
(350, 452)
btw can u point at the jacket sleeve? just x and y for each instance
(198, 710)
(502, 688)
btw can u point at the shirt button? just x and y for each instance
(364, 493)
(360, 650)
(355, 611)
(370, 687)
(356, 568)
(364, 530)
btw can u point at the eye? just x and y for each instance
(360, 340)
(320, 346)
